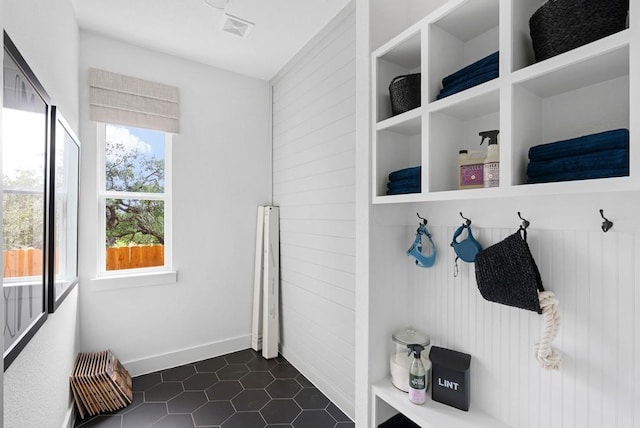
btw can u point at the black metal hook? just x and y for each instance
(424, 220)
(467, 222)
(525, 222)
(606, 224)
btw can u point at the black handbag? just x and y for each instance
(506, 273)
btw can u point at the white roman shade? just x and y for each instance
(124, 100)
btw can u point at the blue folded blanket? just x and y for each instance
(409, 182)
(471, 75)
(580, 175)
(472, 69)
(596, 161)
(403, 190)
(403, 174)
(466, 84)
(614, 139)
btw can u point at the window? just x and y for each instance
(135, 199)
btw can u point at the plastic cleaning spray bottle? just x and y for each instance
(417, 376)
(491, 167)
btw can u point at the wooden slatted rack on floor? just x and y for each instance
(100, 383)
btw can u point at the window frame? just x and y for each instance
(12, 352)
(58, 123)
(125, 278)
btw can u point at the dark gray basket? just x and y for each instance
(561, 25)
(405, 93)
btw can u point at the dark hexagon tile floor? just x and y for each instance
(239, 390)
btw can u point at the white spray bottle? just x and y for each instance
(417, 376)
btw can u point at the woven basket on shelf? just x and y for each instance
(561, 25)
(405, 93)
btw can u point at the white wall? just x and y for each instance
(314, 185)
(36, 388)
(221, 172)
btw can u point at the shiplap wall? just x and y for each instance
(594, 277)
(314, 185)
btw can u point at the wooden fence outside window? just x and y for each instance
(28, 261)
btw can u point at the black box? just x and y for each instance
(450, 377)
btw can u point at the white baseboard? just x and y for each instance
(337, 396)
(185, 356)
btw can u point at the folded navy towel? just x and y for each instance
(402, 174)
(580, 175)
(602, 160)
(471, 75)
(411, 182)
(403, 190)
(471, 69)
(614, 139)
(485, 77)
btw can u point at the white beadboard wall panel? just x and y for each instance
(340, 262)
(314, 309)
(314, 186)
(297, 114)
(333, 211)
(325, 180)
(321, 149)
(593, 275)
(341, 128)
(337, 358)
(333, 161)
(315, 122)
(313, 69)
(338, 195)
(334, 277)
(339, 228)
(323, 170)
(330, 244)
(326, 290)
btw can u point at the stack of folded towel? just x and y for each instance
(472, 75)
(605, 154)
(404, 181)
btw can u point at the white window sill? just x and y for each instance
(134, 280)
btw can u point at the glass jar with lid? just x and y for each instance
(400, 358)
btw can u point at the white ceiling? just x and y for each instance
(190, 29)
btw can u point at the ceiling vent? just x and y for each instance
(236, 26)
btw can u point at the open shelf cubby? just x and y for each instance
(586, 90)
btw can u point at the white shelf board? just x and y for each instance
(596, 185)
(602, 60)
(599, 185)
(407, 123)
(398, 199)
(432, 414)
(474, 102)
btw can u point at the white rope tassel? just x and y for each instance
(548, 357)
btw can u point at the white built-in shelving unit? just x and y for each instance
(583, 91)
(580, 92)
